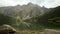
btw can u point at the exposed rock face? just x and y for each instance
(7, 29)
(50, 31)
(30, 10)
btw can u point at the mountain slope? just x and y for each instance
(50, 19)
(24, 10)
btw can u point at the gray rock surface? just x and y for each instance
(7, 29)
(50, 31)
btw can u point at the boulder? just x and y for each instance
(50, 31)
(7, 29)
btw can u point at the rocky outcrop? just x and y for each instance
(50, 31)
(7, 29)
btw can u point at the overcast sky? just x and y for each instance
(46, 3)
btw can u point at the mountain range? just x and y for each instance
(28, 10)
(31, 16)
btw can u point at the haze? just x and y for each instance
(46, 3)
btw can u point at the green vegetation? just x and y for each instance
(6, 19)
(48, 20)
(34, 18)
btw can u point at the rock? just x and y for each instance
(50, 31)
(7, 29)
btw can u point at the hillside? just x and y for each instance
(24, 10)
(49, 20)
(30, 17)
(21, 13)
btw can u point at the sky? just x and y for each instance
(46, 3)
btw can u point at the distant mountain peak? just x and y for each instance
(30, 3)
(18, 5)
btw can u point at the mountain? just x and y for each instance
(28, 10)
(30, 16)
(50, 19)
(54, 15)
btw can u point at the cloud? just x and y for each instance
(6, 2)
(51, 3)
(21, 2)
(46, 3)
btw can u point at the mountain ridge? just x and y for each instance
(24, 9)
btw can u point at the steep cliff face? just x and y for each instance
(24, 10)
